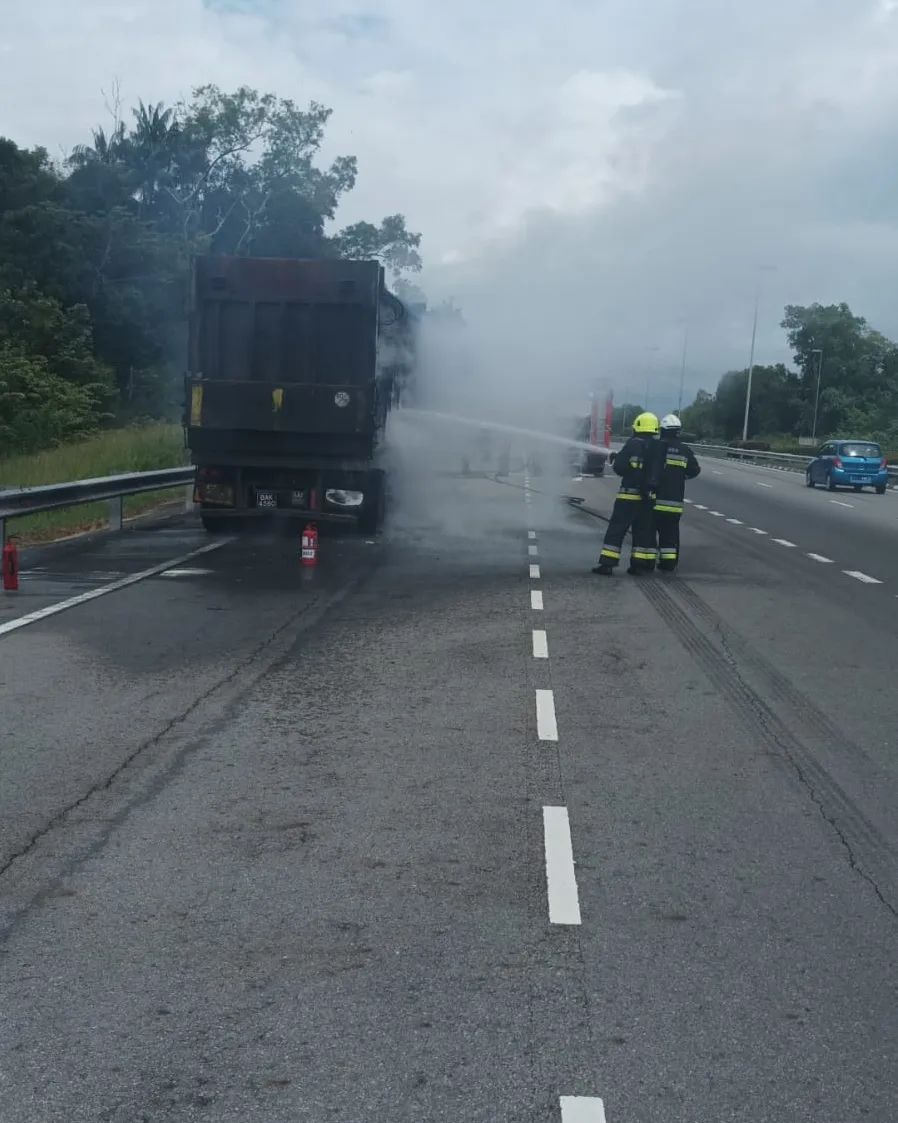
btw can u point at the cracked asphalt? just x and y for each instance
(272, 843)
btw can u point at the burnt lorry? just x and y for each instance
(293, 368)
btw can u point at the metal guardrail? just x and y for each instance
(785, 461)
(16, 502)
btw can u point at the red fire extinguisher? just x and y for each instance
(310, 545)
(10, 566)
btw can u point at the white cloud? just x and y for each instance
(603, 168)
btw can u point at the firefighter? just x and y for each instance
(676, 464)
(637, 465)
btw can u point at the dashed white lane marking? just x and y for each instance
(546, 725)
(783, 542)
(93, 594)
(536, 600)
(688, 500)
(736, 522)
(533, 551)
(715, 472)
(561, 881)
(757, 530)
(717, 514)
(759, 484)
(534, 573)
(839, 503)
(700, 507)
(820, 558)
(582, 1109)
(858, 576)
(540, 645)
(531, 534)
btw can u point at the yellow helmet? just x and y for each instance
(646, 423)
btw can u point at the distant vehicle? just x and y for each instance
(587, 463)
(856, 464)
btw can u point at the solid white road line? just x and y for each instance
(546, 726)
(758, 482)
(783, 542)
(531, 533)
(534, 572)
(582, 1109)
(820, 558)
(540, 645)
(536, 600)
(83, 598)
(533, 551)
(186, 573)
(735, 522)
(839, 503)
(561, 881)
(757, 530)
(858, 576)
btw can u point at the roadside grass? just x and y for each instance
(136, 449)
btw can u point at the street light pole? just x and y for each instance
(818, 351)
(751, 362)
(648, 376)
(683, 370)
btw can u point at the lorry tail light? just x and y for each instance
(220, 494)
(213, 486)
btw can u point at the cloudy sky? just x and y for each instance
(588, 177)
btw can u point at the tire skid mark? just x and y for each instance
(864, 846)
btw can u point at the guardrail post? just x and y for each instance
(116, 512)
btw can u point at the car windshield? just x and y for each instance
(858, 449)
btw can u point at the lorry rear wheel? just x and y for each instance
(217, 526)
(372, 515)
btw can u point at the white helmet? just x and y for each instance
(671, 422)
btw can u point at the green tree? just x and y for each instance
(700, 419)
(390, 243)
(37, 407)
(858, 370)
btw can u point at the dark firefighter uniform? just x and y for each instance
(677, 464)
(637, 465)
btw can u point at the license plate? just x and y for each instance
(858, 479)
(265, 499)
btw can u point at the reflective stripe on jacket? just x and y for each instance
(677, 465)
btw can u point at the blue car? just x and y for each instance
(856, 464)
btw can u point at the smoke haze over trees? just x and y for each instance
(94, 250)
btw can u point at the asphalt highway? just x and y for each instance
(450, 829)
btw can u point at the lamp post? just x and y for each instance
(754, 333)
(818, 351)
(648, 375)
(751, 362)
(683, 370)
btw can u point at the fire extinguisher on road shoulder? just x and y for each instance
(309, 544)
(10, 566)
